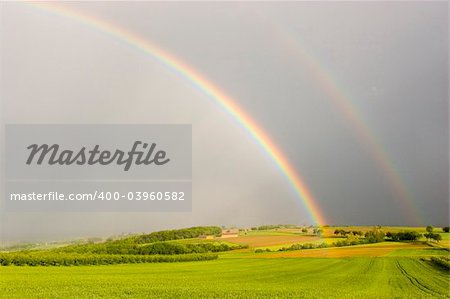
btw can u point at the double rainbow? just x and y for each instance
(346, 105)
(228, 104)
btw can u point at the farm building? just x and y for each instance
(230, 233)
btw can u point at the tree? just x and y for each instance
(404, 236)
(429, 235)
(446, 229)
(436, 237)
(375, 235)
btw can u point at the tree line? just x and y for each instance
(48, 258)
(163, 248)
(148, 248)
(177, 234)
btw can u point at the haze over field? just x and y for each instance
(388, 61)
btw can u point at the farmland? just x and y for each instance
(371, 250)
(238, 278)
(379, 270)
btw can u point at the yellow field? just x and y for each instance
(268, 240)
(285, 237)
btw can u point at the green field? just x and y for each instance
(233, 278)
(385, 269)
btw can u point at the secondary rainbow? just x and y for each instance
(227, 103)
(343, 102)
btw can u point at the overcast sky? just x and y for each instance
(279, 61)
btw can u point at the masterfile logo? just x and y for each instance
(129, 168)
(103, 157)
(99, 152)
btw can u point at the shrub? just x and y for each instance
(441, 262)
(374, 236)
(404, 236)
(303, 246)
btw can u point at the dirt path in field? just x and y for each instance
(414, 281)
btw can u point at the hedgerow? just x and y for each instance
(177, 234)
(442, 262)
(47, 258)
(153, 248)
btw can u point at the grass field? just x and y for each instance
(379, 270)
(386, 277)
(371, 250)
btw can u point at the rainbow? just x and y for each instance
(348, 109)
(212, 91)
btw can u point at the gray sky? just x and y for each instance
(389, 61)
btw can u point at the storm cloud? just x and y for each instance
(300, 69)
